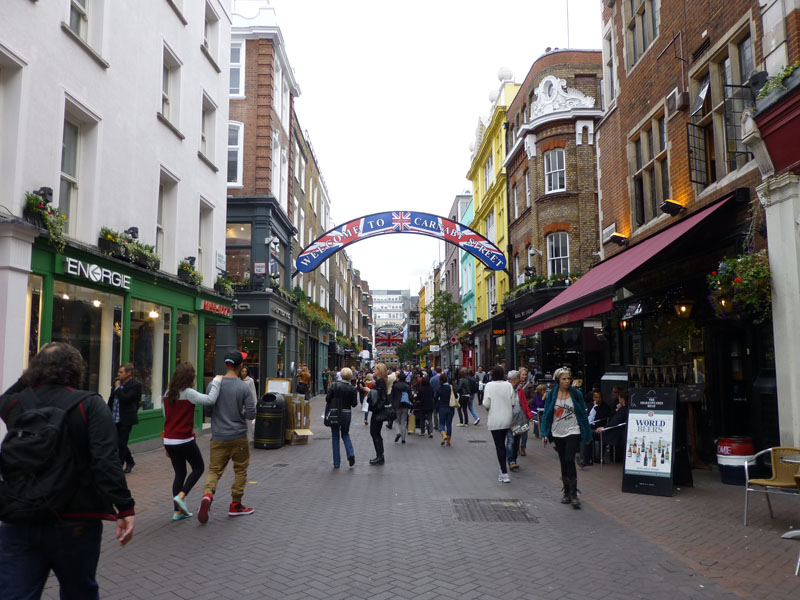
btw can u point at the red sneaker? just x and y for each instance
(205, 508)
(237, 508)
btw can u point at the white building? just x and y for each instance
(121, 108)
(390, 307)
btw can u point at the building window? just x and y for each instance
(210, 23)
(79, 18)
(68, 193)
(488, 172)
(554, 171)
(170, 86)
(489, 223)
(558, 253)
(520, 274)
(527, 189)
(609, 59)
(207, 124)
(650, 180)
(275, 175)
(236, 87)
(238, 251)
(491, 295)
(277, 96)
(514, 200)
(204, 237)
(160, 221)
(642, 27)
(235, 153)
(720, 94)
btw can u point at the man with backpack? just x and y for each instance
(60, 477)
(402, 402)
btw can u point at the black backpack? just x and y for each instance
(39, 471)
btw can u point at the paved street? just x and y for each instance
(402, 531)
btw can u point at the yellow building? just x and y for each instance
(490, 200)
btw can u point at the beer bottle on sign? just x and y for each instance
(662, 456)
(667, 451)
(654, 460)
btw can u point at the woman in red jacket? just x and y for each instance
(178, 435)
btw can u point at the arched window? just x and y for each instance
(558, 253)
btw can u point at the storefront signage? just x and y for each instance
(241, 306)
(281, 313)
(650, 447)
(435, 348)
(213, 307)
(498, 331)
(96, 273)
(221, 258)
(260, 267)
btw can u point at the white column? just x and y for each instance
(16, 243)
(780, 196)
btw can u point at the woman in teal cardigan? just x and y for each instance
(564, 422)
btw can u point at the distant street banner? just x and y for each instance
(384, 223)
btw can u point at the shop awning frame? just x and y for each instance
(593, 293)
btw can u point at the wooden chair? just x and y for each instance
(781, 482)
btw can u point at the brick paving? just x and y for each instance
(391, 532)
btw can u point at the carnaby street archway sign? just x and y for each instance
(384, 223)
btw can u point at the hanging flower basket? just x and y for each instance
(742, 285)
(187, 273)
(38, 212)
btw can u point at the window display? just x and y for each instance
(149, 353)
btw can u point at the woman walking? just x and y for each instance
(564, 423)
(499, 399)
(342, 397)
(377, 399)
(402, 402)
(463, 392)
(426, 404)
(446, 412)
(369, 383)
(179, 439)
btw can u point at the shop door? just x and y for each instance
(734, 366)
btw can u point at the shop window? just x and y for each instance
(248, 340)
(209, 353)
(238, 251)
(721, 94)
(186, 342)
(149, 350)
(91, 321)
(281, 358)
(558, 253)
(33, 318)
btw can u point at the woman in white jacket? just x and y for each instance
(499, 399)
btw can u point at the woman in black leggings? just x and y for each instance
(376, 422)
(179, 441)
(564, 422)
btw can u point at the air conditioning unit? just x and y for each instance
(676, 101)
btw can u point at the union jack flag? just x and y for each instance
(389, 338)
(401, 221)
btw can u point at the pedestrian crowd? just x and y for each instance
(65, 457)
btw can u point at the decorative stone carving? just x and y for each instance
(530, 145)
(553, 95)
(580, 125)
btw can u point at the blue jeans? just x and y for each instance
(471, 407)
(344, 429)
(446, 414)
(512, 447)
(29, 551)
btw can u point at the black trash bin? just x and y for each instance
(270, 422)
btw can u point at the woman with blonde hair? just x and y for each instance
(342, 397)
(377, 399)
(564, 422)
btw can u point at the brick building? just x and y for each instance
(676, 195)
(552, 199)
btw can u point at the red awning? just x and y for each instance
(592, 293)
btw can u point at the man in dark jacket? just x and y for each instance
(124, 400)
(615, 438)
(69, 542)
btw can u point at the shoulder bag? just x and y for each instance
(453, 399)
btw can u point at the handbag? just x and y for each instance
(453, 399)
(519, 420)
(332, 417)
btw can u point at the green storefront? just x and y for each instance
(115, 313)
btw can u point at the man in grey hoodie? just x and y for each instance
(234, 406)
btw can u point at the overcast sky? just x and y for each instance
(391, 93)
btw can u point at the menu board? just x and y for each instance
(650, 447)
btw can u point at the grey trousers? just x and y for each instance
(401, 424)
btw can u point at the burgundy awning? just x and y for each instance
(592, 294)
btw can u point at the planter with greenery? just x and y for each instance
(187, 273)
(37, 211)
(777, 85)
(742, 285)
(315, 315)
(224, 286)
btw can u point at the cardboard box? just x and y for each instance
(296, 437)
(298, 421)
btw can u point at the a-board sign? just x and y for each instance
(650, 447)
(278, 386)
(692, 392)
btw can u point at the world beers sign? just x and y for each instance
(650, 448)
